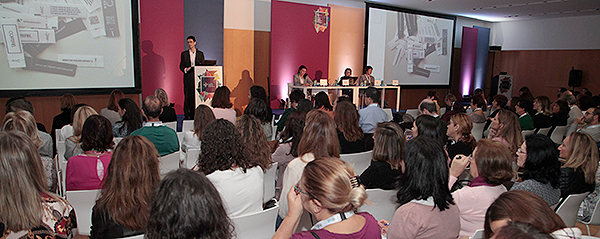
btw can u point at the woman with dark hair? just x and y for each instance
(28, 209)
(67, 101)
(288, 146)
(330, 191)
(491, 166)
(512, 102)
(322, 103)
(385, 167)
(111, 112)
(478, 105)
(257, 91)
(542, 119)
(255, 140)
(295, 98)
(259, 109)
(301, 78)
(560, 113)
(131, 118)
(427, 209)
(221, 104)
(578, 174)
(366, 78)
(521, 231)
(539, 158)
(525, 94)
(227, 163)
(168, 112)
(203, 115)
(86, 171)
(459, 131)
(319, 139)
(123, 208)
(349, 134)
(433, 128)
(525, 207)
(187, 205)
(505, 128)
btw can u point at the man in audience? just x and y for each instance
(428, 107)
(163, 137)
(574, 113)
(588, 123)
(372, 114)
(522, 109)
(19, 103)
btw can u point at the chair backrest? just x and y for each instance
(569, 207)
(188, 125)
(413, 112)
(388, 111)
(169, 163)
(117, 140)
(558, 133)
(527, 132)
(61, 148)
(172, 125)
(56, 135)
(477, 130)
(191, 158)
(83, 202)
(269, 183)
(180, 136)
(141, 236)
(382, 204)
(360, 160)
(478, 234)
(442, 110)
(595, 217)
(256, 225)
(543, 131)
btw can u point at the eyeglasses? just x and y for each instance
(297, 190)
(520, 151)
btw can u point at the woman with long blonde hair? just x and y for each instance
(72, 143)
(506, 129)
(578, 174)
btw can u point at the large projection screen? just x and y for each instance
(78, 46)
(408, 46)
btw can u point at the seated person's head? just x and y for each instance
(499, 101)
(258, 108)
(492, 161)
(427, 107)
(187, 205)
(96, 134)
(580, 152)
(524, 106)
(346, 118)
(389, 144)
(304, 105)
(294, 127)
(221, 98)
(80, 116)
(522, 231)
(539, 157)
(296, 96)
(19, 103)
(152, 107)
(203, 115)
(222, 148)
(450, 98)
(319, 136)
(460, 127)
(373, 94)
(162, 97)
(322, 101)
(430, 127)
(478, 102)
(22, 121)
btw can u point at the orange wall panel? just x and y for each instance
(346, 42)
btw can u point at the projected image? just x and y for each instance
(411, 48)
(66, 44)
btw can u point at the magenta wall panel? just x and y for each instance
(162, 41)
(467, 60)
(295, 42)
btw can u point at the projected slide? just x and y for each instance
(67, 44)
(414, 49)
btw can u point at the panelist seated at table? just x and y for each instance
(347, 76)
(366, 79)
(301, 78)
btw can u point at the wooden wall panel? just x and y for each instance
(346, 41)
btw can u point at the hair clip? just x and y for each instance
(354, 181)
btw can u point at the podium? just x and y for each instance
(206, 81)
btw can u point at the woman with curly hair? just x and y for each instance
(221, 104)
(87, 170)
(506, 129)
(123, 208)
(131, 118)
(255, 140)
(578, 173)
(288, 146)
(349, 134)
(226, 162)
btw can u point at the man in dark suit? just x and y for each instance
(190, 58)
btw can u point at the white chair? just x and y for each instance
(382, 204)
(56, 135)
(524, 133)
(187, 125)
(133, 237)
(83, 202)
(442, 110)
(169, 163)
(544, 131)
(479, 234)
(60, 187)
(269, 183)
(594, 218)
(62, 165)
(569, 207)
(172, 125)
(589, 237)
(388, 111)
(477, 130)
(60, 149)
(413, 112)
(360, 160)
(117, 140)
(558, 133)
(256, 225)
(180, 137)
(191, 158)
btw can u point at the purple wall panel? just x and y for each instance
(467, 60)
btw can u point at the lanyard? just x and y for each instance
(333, 219)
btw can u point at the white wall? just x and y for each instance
(466, 22)
(247, 15)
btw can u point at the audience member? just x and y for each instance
(479, 92)
(67, 130)
(574, 112)
(67, 101)
(256, 143)
(319, 139)
(588, 123)
(512, 103)
(525, 207)
(386, 165)
(73, 142)
(295, 98)
(257, 91)
(349, 134)
(452, 107)
(525, 94)
(578, 173)
(478, 106)
(560, 113)
(430, 127)
(428, 107)
(499, 102)
(27, 205)
(506, 129)
(187, 205)
(542, 118)
(131, 118)
(301, 78)
(221, 104)
(522, 109)
(123, 208)
(539, 159)
(87, 170)
(259, 109)
(372, 114)
(227, 164)
(288, 146)
(24, 122)
(168, 112)
(111, 112)
(329, 190)
(18, 104)
(164, 138)
(521, 231)
(587, 207)
(459, 131)
(433, 96)
(491, 166)
(192, 139)
(304, 105)
(322, 103)
(427, 209)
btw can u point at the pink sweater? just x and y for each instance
(417, 220)
(82, 172)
